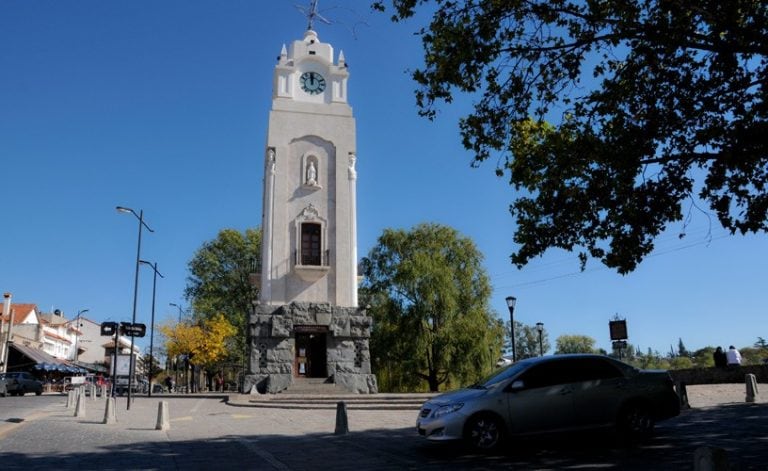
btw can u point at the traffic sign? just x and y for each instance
(108, 328)
(133, 330)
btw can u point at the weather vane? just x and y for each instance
(311, 13)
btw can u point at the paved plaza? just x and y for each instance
(208, 433)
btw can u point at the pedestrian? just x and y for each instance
(169, 384)
(733, 356)
(218, 382)
(720, 358)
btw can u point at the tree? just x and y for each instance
(204, 344)
(148, 360)
(219, 282)
(429, 298)
(653, 108)
(574, 344)
(681, 350)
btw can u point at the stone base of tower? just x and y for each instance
(310, 340)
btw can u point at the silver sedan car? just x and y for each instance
(557, 393)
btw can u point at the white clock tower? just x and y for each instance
(306, 322)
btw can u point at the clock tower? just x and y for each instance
(306, 322)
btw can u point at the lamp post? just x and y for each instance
(511, 301)
(540, 328)
(77, 331)
(140, 217)
(181, 310)
(152, 325)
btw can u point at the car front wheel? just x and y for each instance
(484, 432)
(636, 422)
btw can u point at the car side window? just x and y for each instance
(548, 374)
(591, 369)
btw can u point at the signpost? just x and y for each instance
(113, 329)
(618, 329)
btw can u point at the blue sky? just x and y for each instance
(163, 106)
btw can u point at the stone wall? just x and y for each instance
(273, 345)
(720, 375)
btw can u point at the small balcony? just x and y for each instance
(311, 268)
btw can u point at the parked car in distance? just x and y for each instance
(552, 394)
(18, 383)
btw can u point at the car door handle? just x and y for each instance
(565, 391)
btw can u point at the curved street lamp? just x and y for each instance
(152, 325)
(181, 310)
(142, 224)
(511, 301)
(77, 331)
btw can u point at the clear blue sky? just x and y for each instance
(163, 106)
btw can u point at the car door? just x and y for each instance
(541, 398)
(599, 391)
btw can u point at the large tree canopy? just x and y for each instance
(219, 282)
(428, 294)
(654, 106)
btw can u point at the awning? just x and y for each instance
(33, 358)
(34, 354)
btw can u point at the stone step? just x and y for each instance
(329, 401)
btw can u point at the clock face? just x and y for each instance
(312, 83)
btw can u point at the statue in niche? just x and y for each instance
(271, 160)
(311, 174)
(352, 173)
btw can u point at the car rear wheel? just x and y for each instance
(484, 432)
(636, 422)
(21, 392)
(38, 393)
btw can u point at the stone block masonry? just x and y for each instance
(345, 352)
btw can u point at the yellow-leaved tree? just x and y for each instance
(202, 344)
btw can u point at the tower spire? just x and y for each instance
(312, 14)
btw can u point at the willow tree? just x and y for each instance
(429, 297)
(613, 119)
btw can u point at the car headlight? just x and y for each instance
(448, 409)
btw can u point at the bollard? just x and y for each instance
(752, 392)
(92, 390)
(682, 395)
(342, 424)
(80, 408)
(70, 399)
(110, 416)
(163, 419)
(707, 458)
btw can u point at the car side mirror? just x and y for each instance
(516, 385)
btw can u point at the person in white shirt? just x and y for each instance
(733, 356)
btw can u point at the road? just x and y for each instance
(207, 433)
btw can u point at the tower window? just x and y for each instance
(311, 246)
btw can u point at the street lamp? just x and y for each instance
(152, 325)
(540, 328)
(77, 331)
(140, 217)
(511, 301)
(181, 309)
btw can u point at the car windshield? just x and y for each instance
(500, 375)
